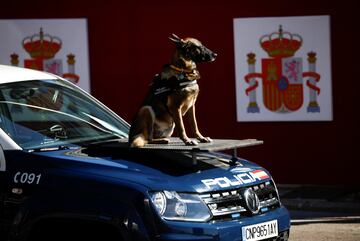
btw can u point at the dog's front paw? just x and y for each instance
(204, 139)
(190, 142)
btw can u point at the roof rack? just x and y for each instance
(177, 145)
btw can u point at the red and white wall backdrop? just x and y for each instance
(128, 44)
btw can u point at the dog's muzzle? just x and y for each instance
(210, 57)
(213, 56)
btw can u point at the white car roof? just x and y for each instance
(13, 74)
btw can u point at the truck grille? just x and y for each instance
(231, 204)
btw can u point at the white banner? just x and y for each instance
(59, 46)
(283, 69)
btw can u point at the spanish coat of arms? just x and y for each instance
(42, 49)
(282, 75)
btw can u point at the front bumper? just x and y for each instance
(224, 230)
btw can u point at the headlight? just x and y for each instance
(180, 206)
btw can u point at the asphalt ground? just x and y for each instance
(322, 213)
(325, 232)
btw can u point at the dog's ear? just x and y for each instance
(177, 40)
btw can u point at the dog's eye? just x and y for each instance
(198, 51)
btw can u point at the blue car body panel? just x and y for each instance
(80, 183)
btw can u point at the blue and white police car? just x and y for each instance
(67, 173)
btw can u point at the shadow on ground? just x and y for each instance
(309, 203)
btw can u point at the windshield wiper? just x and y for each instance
(51, 148)
(104, 142)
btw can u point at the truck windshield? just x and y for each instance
(46, 113)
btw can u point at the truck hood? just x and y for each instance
(159, 171)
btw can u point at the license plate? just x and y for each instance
(260, 231)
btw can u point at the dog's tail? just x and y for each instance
(139, 141)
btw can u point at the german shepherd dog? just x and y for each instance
(171, 96)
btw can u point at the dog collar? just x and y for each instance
(181, 69)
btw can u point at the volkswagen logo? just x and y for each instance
(252, 201)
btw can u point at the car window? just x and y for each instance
(42, 113)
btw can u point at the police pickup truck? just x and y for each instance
(67, 173)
